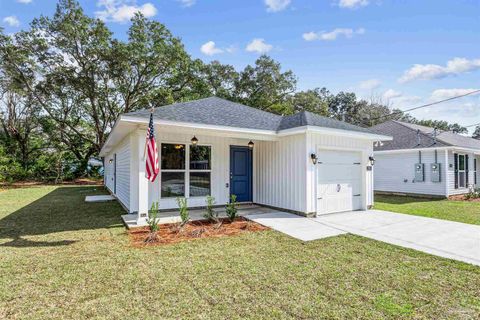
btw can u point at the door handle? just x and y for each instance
(339, 187)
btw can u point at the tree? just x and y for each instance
(442, 125)
(315, 100)
(476, 133)
(265, 86)
(220, 79)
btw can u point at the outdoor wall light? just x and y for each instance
(250, 144)
(194, 140)
(314, 158)
(110, 161)
(372, 160)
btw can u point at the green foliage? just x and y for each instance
(65, 80)
(182, 206)
(476, 133)
(210, 213)
(231, 208)
(153, 219)
(473, 194)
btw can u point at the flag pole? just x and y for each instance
(146, 139)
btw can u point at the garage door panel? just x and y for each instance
(339, 181)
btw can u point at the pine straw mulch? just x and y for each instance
(172, 232)
(461, 197)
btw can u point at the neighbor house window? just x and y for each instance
(475, 171)
(460, 171)
(185, 172)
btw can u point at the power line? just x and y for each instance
(473, 125)
(427, 105)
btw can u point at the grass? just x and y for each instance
(64, 258)
(460, 211)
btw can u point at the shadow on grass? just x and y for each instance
(63, 209)
(398, 199)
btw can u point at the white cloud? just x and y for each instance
(123, 10)
(352, 4)
(259, 46)
(434, 71)
(276, 5)
(332, 35)
(210, 49)
(391, 94)
(187, 3)
(12, 21)
(24, 1)
(442, 94)
(369, 84)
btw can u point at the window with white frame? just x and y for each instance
(460, 171)
(475, 171)
(185, 172)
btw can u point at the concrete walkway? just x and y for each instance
(448, 239)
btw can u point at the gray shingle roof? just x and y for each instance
(217, 111)
(405, 137)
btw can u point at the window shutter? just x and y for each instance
(466, 170)
(455, 161)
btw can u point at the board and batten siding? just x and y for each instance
(279, 178)
(123, 152)
(316, 142)
(395, 172)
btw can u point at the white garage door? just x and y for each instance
(339, 181)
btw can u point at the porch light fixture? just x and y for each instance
(372, 160)
(250, 144)
(110, 161)
(194, 140)
(314, 158)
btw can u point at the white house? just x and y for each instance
(303, 163)
(424, 161)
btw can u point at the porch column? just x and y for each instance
(140, 185)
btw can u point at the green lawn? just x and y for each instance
(63, 258)
(461, 211)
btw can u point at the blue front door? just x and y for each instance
(241, 173)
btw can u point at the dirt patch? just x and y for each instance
(461, 197)
(172, 233)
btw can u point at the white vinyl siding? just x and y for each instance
(395, 172)
(122, 192)
(281, 172)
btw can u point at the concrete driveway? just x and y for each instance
(448, 239)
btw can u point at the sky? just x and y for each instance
(404, 53)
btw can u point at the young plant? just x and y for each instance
(153, 221)
(182, 207)
(210, 214)
(231, 208)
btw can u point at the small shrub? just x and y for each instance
(182, 207)
(231, 208)
(473, 194)
(210, 214)
(153, 221)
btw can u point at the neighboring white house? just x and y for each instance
(424, 161)
(277, 170)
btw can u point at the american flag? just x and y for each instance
(151, 162)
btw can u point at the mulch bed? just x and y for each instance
(172, 233)
(461, 197)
